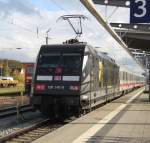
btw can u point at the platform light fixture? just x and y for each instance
(106, 1)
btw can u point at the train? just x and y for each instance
(28, 68)
(147, 81)
(74, 78)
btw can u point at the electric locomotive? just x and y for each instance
(72, 78)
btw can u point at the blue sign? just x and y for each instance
(139, 11)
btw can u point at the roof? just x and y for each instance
(134, 35)
(137, 37)
(120, 3)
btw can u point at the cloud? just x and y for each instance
(8, 7)
(114, 14)
(19, 29)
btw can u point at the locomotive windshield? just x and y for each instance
(70, 60)
(29, 69)
(49, 60)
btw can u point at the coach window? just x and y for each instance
(123, 76)
(93, 61)
(115, 75)
(120, 77)
(104, 73)
(110, 74)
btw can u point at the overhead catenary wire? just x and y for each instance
(22, 19)
(64, 9)
(112, 13)
(89, 28)
(23, 28)
(36, 26)
(59, 6)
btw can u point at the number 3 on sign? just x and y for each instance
(142, 7)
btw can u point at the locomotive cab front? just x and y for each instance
(57, 78)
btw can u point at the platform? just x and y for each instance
(125, 120)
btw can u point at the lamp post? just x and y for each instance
(47, 36)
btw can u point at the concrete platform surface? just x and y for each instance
(125, 120)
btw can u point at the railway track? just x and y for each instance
(6, 112)
(33, 132)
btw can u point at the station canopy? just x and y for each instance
(136, 36)
(119, 3)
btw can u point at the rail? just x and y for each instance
(6, 112)
(32, 132)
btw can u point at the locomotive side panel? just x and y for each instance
(100, 80)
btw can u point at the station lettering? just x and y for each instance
(139, 11)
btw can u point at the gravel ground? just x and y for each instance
(12, 124)
(7, 101)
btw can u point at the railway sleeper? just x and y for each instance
(11, 142)
(19, 140)
(40, 132)
(43, 127)
(32, 135)
(24, 137)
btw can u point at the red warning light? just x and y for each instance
(39, 87)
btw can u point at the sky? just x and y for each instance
(23, 26)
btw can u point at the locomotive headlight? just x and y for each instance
(84, 97)
(75, 88)
(39, 87)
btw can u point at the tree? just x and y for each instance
(18, 76)
(6, 70)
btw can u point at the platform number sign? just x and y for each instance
(139, 11)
